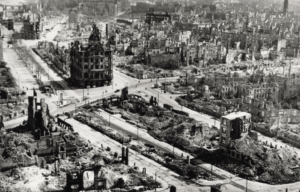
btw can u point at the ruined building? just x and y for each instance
(234, 126)
(38, 115)
(99, 7)
(51, 143)
(6, 19)
(91, 65)
(32, 26)
(155, 17)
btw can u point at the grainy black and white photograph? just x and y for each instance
(150, 95)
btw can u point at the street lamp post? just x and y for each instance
(109, 120)
(137, 131)
(155, 182)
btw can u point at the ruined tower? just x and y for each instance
(38, 118)
(31, 112)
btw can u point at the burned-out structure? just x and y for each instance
(234, 126)
(151, 16)
(32, 26)
(91, 65)
(48, 144)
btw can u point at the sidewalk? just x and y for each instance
(55, 77)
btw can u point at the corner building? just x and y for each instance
(91, 65)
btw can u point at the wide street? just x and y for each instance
(166, 176)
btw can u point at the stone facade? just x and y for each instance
(91, 65)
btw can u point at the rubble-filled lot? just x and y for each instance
(8, 111)
(167, 159)
(6, 78)
(168, 126)
(14, 177)
(150, 72)
(12, 103)
(269, 164)
(196, 101)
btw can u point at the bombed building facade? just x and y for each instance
(234, 126)
(91, 65)
(32, 26)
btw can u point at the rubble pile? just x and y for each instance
(268, 164)
(33, 178)
(122, 60)
(175, 134)
(28, 179)
(181, 133)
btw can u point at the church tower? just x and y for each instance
(285, 6)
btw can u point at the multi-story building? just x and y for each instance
(234, 126)
(73, 18)
(32, 26)
(155, 17)
(91, 65)
(7, 19)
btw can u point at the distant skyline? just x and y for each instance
(17, 2)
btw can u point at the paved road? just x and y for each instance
(19, 71)
(120, 125)
(166, 176)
